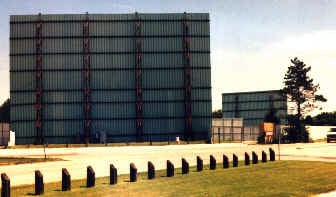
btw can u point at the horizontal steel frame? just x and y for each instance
(261, 109)
(257, 119)
(256, 101)
(252, 93)
(115, 69)
(121, 52)
(117, 102)
(111, 89)
(109, 21)
(114, 36)
(128, 135)
(128, 118)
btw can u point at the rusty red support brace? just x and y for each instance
(38, 80)
(138, 80)
(187, 81)
(86, 76)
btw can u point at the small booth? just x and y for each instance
(267, 129)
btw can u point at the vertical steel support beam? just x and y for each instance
(38, 79)
(236, 112)
(86, 79)
(187, 80)
(271, 102)
(138, 79)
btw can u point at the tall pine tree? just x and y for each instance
(302, 94)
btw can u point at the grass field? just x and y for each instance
(22, 160)
(280, 178)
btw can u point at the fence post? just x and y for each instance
(272, 154)
(254, 158)
(66, 180)
(5, 188)
(235, 161)
(39, 185)
(225, 161)
(264, 157)
(133, 173)
(113, 175)
(151, 170)
(247, 159)
(185, 166)
(231, 130)
(170, 169)
(90, 177)
(212, 162)
(223, 128)
(199, 164)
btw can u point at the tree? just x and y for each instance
(302, 94)
(217, 113)
(5, 111)
(322, 119)
(308, 120)
(271, 116)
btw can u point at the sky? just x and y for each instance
(252, 42)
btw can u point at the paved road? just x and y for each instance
(77, 159)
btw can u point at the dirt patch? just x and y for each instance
(5, 161)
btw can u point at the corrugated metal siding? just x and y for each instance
(115, 128)
(22, 81)
(113, 79)
(253, 106)
(113, 111)
(62, 111)
(58, 80)
(63, 128)
(23, 98)
(23, 128)
(23, 112)
(201, 124)
(62, 97)
(201, 108)
(99, 61)
(112, 76)
(65, 62)
(162, 60)
(113, 96)
(173, 109)
(163, 78)
(156, 126)
(112, 29)
(200, 78)
(163, 95)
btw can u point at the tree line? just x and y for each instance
(5, 111)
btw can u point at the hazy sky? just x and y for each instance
(252, 42)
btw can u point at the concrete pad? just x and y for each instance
(77, 159)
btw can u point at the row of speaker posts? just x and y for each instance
(90, 179)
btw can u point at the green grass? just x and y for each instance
(23, 160)
(281, 178)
